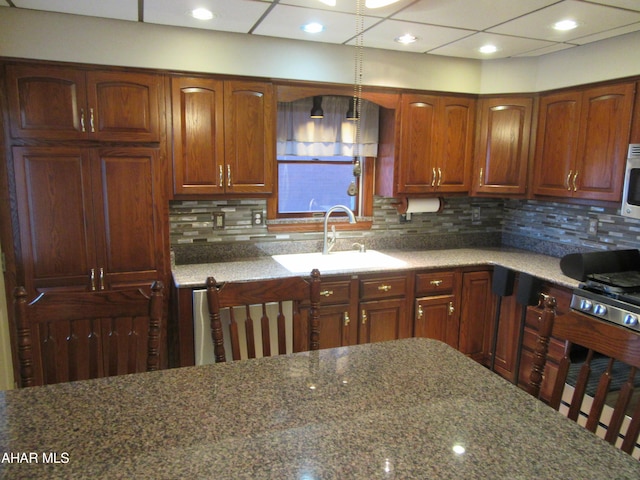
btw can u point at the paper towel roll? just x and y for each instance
(423, 205)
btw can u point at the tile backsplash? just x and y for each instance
(545, 227)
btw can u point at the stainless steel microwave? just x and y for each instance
(631, 194)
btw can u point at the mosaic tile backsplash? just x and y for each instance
(544, 227)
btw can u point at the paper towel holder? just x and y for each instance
(402, 204)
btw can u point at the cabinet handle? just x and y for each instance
(228, 175)
(326, 293)
(384, 288)
(451, 309)
(101, 278)
(91, 123)
(364, 316)
(92, 279)
(481, 176)
(433, 177)
(569, 180)
(347, 320)
(575, 184)
(420, 311)
(439, 175)
(82, 126)
(221, 172)
(436, 283)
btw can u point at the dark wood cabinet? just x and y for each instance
(476, 313)
(90, 218)
(502, 145)
(223, 136)
(436, 312)
(582, 142)
(63, 103)
(436, 143)
(382, 310)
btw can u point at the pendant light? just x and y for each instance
(316, 110)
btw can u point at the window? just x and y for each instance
(316, 155)
(313, 185)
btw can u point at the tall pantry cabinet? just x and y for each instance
(87, 174)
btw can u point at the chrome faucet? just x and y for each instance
(328, 244)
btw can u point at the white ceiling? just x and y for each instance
(457, 28)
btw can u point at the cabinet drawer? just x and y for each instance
(332, 293)
(383, 287)
(434, 282)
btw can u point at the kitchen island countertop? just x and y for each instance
(259, 268)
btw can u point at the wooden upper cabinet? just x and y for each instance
(436, 141)
(198, 135)
(249, 132)
(90, 218)
(582, 142)
(224, 136)
(502, 146)
(60, 103)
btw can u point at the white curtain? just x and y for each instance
(332, 135)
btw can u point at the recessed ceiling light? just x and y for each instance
(488, 49)
(313, 27)
(406, 39)
(565, 25)
(202, 14)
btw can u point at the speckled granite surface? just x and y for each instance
(542, 266)
(387, 410)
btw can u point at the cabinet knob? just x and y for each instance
(436, 283)
(451, 308)
(347, 320)
(221, 173)
(433, 177)
(101, 278)
(91, 122)
(420, 312)
(384, 288)
(568, 182)
(228, 175)
(481, 176)
(326, 293)
(82, 126)
(575, 179)
(364, 316)
(92, 279)
(439, 176)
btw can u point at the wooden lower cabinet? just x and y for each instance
(476, 312)
(436, 312)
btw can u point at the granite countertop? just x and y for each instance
(405, 409)
(259, 268)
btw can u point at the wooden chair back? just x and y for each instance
(303, 294)
(607, 351)
(68, 336)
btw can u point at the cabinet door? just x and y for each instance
(382, 320)
(476, 315)
(557, 144)
(53, 195)
(436, 317)
(605, 122)
(123, 106)
(454, 141)
(336, 324)
(249, 123)
(502, 151)
(128, 205)
(416, 168)
(46, 102)
(198, 135)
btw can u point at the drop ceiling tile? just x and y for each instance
(628, 4)
(349, 6)
(230, 15)
(554, 47)
(475, 15)
(507, 46)
(384, 33)
(118, 9)
(592, 19)
(608, 34)
(285, 21)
